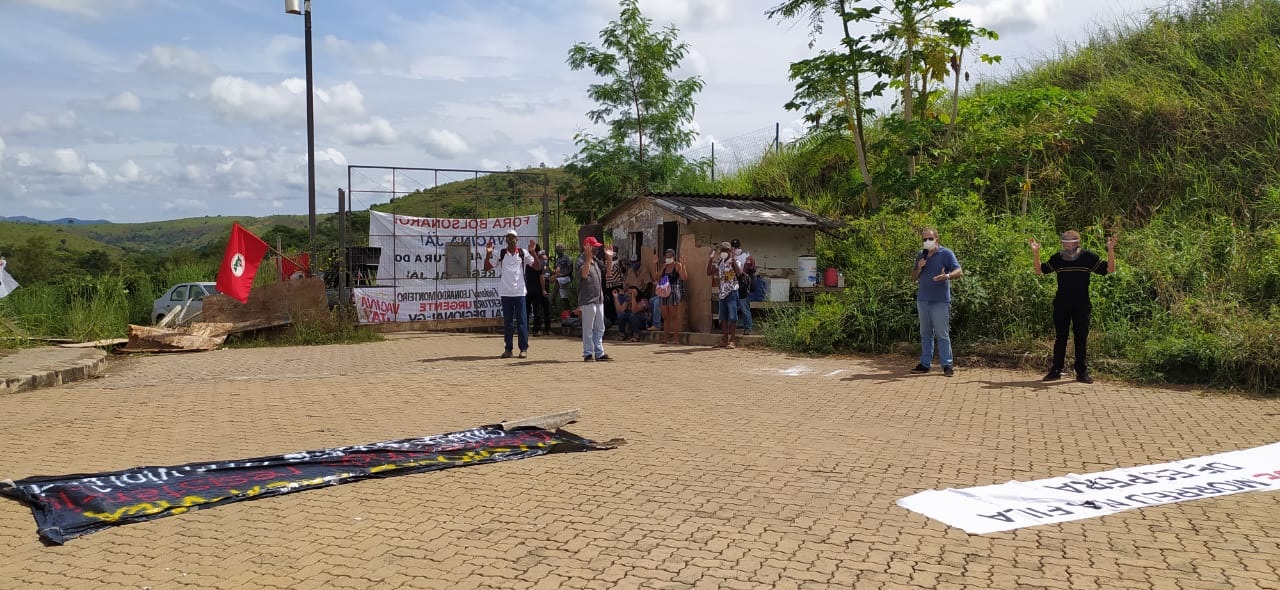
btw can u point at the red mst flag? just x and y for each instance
(290, 269)
(240, 262)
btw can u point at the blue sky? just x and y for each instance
(139, 110)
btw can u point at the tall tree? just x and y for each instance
(647, 110)
(834, 78)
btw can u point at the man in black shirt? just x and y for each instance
(1071, 307)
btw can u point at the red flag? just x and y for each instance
(240, 263)
(290, 270)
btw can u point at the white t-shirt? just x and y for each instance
(511, 272)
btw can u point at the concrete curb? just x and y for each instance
(33, 368)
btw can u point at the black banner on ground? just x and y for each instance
(69, 506)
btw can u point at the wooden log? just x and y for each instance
(547, 422)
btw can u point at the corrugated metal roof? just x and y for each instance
(739, 209)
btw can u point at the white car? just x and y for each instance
(190, 296)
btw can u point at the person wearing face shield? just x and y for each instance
(934, 270)
(1071, 307)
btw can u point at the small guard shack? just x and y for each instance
(777, 233)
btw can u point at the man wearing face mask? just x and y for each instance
(1071, 307)
(934, 270)
(511, 289)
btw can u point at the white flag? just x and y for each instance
(7, 284)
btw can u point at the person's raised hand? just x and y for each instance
(531, 245)
(1035, 246)
(488, 249)
(920, 263)
(1111, 242)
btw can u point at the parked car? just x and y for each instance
(188, 295)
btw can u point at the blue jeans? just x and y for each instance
(593, 330)
(935, 322)
(729, 308)
(744, 312)
(655, 311)
(630, 324)
(515, 316)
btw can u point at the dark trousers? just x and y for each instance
(630, 324)
(1076, 319)
(610, 312)
(515, 317)
(539, 312)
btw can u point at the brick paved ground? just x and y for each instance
(783, 478)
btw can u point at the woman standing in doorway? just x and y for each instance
(670, 288)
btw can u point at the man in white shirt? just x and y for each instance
(515, 315)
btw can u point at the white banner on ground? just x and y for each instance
(1014, 505)
(416, 279)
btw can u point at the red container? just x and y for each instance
(831, 278)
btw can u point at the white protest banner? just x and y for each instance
(1014, 505)
(7, 284)
(433, 268)
(375, 305)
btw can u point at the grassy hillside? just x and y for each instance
(66, 236)
(193, 232)
(1164, 133)
(486, 196)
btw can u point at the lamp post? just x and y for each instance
(304, 8)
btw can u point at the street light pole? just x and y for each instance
(292, 7)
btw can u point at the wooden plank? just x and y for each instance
(95, 343)
(547, 422)
(697, 294)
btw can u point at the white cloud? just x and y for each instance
(66, 161)
(443, 143)
(376, 130)
(129, 172)
(45, 204)
(1007, 17)
(26, 160)
(243, 99)
(329, 155)
(541, 156)
(343, 99)
(185, 205)
(1, 148)
(125, 101)
(168, 58)
(31, 123)
(78, 7)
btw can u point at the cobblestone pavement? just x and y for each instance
(744, 469)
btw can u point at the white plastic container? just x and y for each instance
(778, 289)
(807, 273)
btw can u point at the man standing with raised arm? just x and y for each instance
(1071, 307)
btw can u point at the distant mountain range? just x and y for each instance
(62, 221)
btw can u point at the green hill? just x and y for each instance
(491, 195)
(64, 236)
(193, 232)
(1163, 132)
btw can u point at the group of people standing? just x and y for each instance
(636, 299)
(936, 266)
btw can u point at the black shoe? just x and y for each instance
(588, 358)
(1084, 377)
(604, 357)
(920, 368)
(1053, 376)
(506, 354)
(948, 371)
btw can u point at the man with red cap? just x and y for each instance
(591, 300)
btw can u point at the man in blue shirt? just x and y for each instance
(935, 267)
